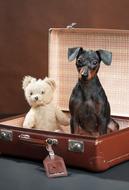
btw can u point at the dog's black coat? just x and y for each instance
(88, 104)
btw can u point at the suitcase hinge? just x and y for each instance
(6, 135)
(75, 146)
(72, 25)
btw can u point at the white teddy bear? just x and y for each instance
(43, 114)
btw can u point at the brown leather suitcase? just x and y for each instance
(83, 151)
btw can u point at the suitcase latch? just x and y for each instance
(75, 146)
(6, 135)
(52, 141)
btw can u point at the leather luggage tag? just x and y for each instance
(54, 165)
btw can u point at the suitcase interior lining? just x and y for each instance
(17, 122)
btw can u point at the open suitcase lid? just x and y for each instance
(114, 78)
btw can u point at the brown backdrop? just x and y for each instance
(24, 28)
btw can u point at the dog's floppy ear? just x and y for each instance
(51, 82)
(73, 53)
(105, 56)
(27, 80)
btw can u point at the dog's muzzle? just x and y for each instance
(84, 73)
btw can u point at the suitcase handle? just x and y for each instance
(27, 139)
(44, 142)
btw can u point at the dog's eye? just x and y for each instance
(31, 93)
(42, 92)
(94, 63)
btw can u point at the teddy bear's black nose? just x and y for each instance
(36, 98)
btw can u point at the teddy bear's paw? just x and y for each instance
(58, 131)
(28, 125)
(62, 117)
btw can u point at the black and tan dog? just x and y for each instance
(89, 106)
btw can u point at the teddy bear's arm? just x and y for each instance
(29, 121)
(62, 117)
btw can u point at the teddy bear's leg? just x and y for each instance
(29, 121)
(62, 117)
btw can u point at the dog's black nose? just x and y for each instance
(36, 98)
(85, 75)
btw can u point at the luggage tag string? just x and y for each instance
(49, 144)
(50, 151)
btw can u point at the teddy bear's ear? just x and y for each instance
(26, 81)
(51, 82)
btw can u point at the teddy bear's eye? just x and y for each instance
(31, 93)
(42, 92)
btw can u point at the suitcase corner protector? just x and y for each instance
(98, 164)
